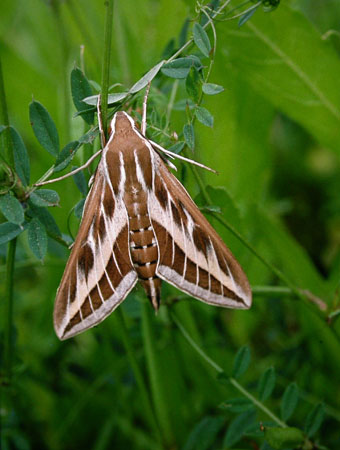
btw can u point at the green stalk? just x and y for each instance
(9, 157)
(231, 380)
(8, 350)
(106, 62)
(150, 415)
(8, 335)
(157, 379)
(64, 53)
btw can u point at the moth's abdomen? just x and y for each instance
(143, 248)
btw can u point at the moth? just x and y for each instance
(140, 224)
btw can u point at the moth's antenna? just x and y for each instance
(144, 108)
(183, 158)
(100, 121)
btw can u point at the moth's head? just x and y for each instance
(122, 124)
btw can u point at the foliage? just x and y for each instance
(252, 89)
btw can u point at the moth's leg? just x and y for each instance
(144, 108)
(88, 162)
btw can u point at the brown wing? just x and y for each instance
(99, 274)
(193, 257)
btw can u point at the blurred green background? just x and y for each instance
(276, 144)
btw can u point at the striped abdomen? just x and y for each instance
(143, 246)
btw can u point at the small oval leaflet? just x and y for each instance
(44, 128)
(11, 208)
(314, 419)
(212, 89)
(266, 384)
(21, 159)
(66, 156)
(44, 197)
(282, 438)
(149, 76)
(9, 231)
(111, 99)
(201, 39)
(81, 88)
(189, 135)
(289, 401)
(241, 361)
(204, 116)
(180, 67)
(37, 238)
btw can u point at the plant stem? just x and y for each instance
(64, 57)
(190, 41)
(171, 104)
(256, 402)
(156, 376)
(8, 335)
(242, 13)
(231, 380)
(106, 62)
(138, 374)
(267, 291)
(9, 157)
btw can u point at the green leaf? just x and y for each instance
(203, 436)
(112, 98)
(314, 419)
(289, 401)
(80, 180)
(44, 197)
(183, 104)
(177, 148)
(78, 209)
(201, 39)
(248, 15)
(37, 238)
(12, 209)
(237, 405)
(300, 80)
(193, 84)
(266, 384)
(66, 155)
(44, 128)
(212, 89)
(179, 68)
(169, 49)
(21, 159)
(149, 76)
(204, 116)
(89, 137)
(283, 438)
(46, 219)
(189, 135)
(241, 361)
(211, 209)
(238, 427)
(182, 38)
(81, 88)
(9, 231)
